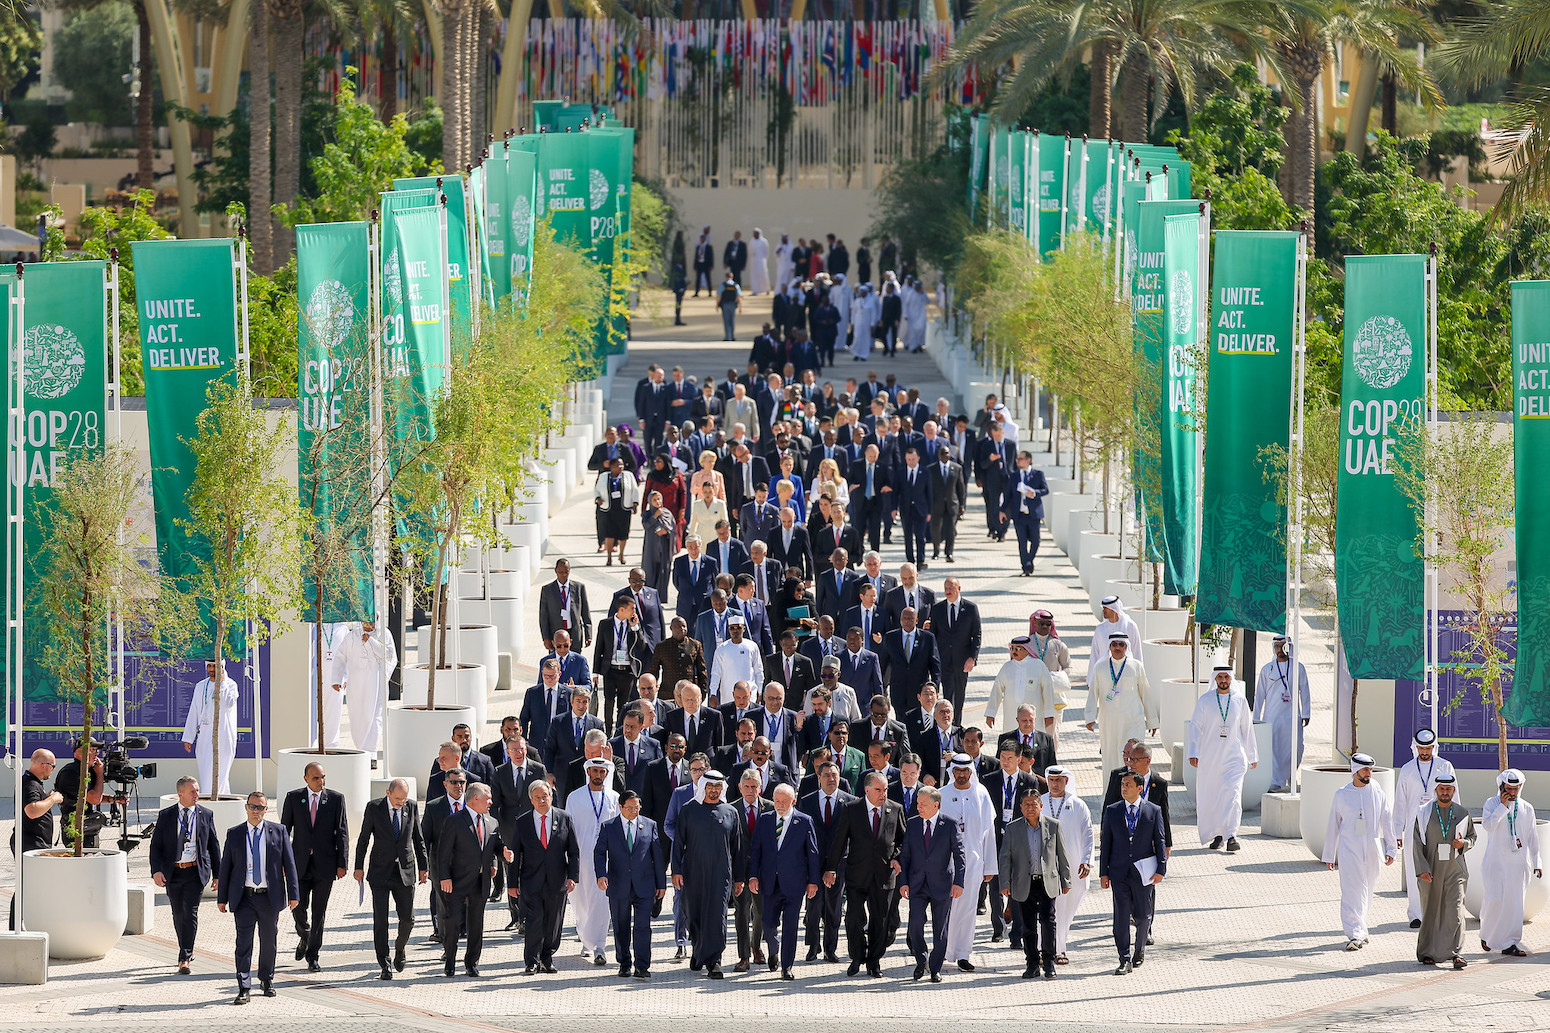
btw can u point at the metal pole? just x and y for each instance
(15, 586)
(1294, 471)
(450, 605)
(1431, 422)
(115, 430)
(377, 423)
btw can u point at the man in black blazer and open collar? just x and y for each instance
(545, 857)
(390, 828)
(257, 883)
(466, 854)
(320, 842)
(185, 858)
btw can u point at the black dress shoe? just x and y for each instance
(812, 953)
(787, 974)
(1123, 970)
(548, 968)
(832, 959)
(313, 966)
(267, 990)
(1030, 972)
(713, 971)
(512, 925)
(398, 962)
(920, 971)
(449, 970)
(1149, 940)
(301, 950)
(936, 977)
(530, 970)
(1233, 846)
(875, 971)
(1415, 923)
(855, 966)
(678, 955)
(996, 937)
(1137, 958)
(965, 966)
(642, 973)
(472, 970)
(1049, 973)
(773, 962)
(387, 973)
(624, 972)
(1216, 844)
(242, 997)
(980, 910)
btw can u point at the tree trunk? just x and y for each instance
(455, 125)
(1135, 84)
(1390, 105)
(145, 173)
(290, 30)
(1100, 91)
(1361, 106)
(260, 224)
(1305, 139)
(88, 624)
(484, 27)
(389, 107)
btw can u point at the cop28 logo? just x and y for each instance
(1381, 352)
(330, 314)
(392, 278)
(521, 220)
(1101, 204)
(597, 187)
(1132, 255)
(1181, 295)
(55, 361)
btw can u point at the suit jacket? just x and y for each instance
(647, 750)
(788, 752)
(811, 804)
(868, 860)
(648, 609)
(600, 458)
(928, 745)
(1043, 750)
(894, 602)
(708, 734)
(988, 473)
(909, 801)
(995, 785)
(632, 874)
(1155, 789)
(635, 645)
(812, 648)
(730, 719)
(475, 763)
(1012, 500)
(832, 589)
(736, 255)
(279, 866)
(395, 860)
(847, 537)
(812, 735)
(851, 618)
(882, 477)
(166, 842)
(565, 746)
(885, 584)
(800, 555)
(789, 865)
(893, 732)
(951, 494)
(658, 793)
(437, 812)
(509, 789)
(495, 752)
(576, 777)
(693, 595)
(549, 599)
(737, 555)
(1118, 850)
(958, 641)
(1017, 865)
(739, 493)
(461, 857)
(322, 847)
(907, 675)
(864, 672)
(915, 500)
(703, 630)
(574, 669)
(931, 873)
(778, 774)
(536, 717)
(802, 675)
(544, 870)
(753, 523)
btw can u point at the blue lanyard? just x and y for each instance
(1426, 779)
(597, 808)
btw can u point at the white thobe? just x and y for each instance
(1076, 826)
(198, 729)
(1019, 682)
(759, 265)
(588, 810)
(972, 809)
(1413, 787)
(1100, 646)
(864, 312)
(1505, 870)
(1224, 745)
(914, 319)
(735, 662)
(783, 263)
(1121, 701)
(1358, 838)
(363, 669)
(1285, 705)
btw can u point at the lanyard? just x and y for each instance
(1224, 711)
(1445, 826)
(1285, 675)
(1115, 675)
(1062, 806)
(1043, 647)
(597, 808)
(1426, 779)
(1512, 822)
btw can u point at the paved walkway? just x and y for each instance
(1246, 941)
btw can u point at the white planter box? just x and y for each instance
(505, 616)
(1176, 701)
(1535, 894)
(1100, 565)
(1086, 542)
(414, 734)
(81, 902)
(1255, 782)
(1058, 507)
(476, 644)
(1319, 783)
(348, 771)
(501, 584)
(469, 688)
(1165, 623)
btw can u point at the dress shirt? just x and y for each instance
(255, 879)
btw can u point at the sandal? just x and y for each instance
(1428, 961)
(1515, 951)
(1459, 962)
(1061, 959)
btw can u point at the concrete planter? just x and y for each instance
(1086, 545)
(469, 688)
(1077, 521)
(505, 615)
(414, 734)
(1058, 507)
(1170, 659)
(1535, 895)
(1102, 565)
(349, 772)
(523, 536)
(1167, 623)
(501, 584)
(1256, 781)
(1176, 701)
(1319, 784)
(580, 446)
(558, 466)
(476, 644)
(81, 902)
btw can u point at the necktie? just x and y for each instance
(694, 571)
(952, 614)
(672, 779)
(577, 723)
(632, 758)
(866, 625)
(928, 836)
(552, 708)
(780, 828)
(909, 645)
(877, 823)
(1130, 819)
(788, 672)
(629, 837)
(869, 480)
(183, 833)
(752, 814)
(543, 830)
(1007, 794)
(909, 802)
(255, 865)
(759, 583)
(457, 807)
(479, 828)
(314, 808)
(828, 810)
(693, 727)
(397, 825)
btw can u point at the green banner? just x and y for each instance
(1529, 702)
(564, 186)
(459, 277)
(1183, 279)
(186, 293)
(1021, 171)
(333, 394)
(1253, 336)
(1378, 576)
(522, 198)
(979, 158)
(496, 208)
(608, 153)
(479, 235)
(1051, 190)
(414, 337)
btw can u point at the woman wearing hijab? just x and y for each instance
(759, 263)
(787, 611)
(660, 542)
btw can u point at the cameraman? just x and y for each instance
(37, 825)
(67, 782)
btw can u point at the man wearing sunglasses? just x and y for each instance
(257, 884)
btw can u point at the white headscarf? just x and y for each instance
(709, 776)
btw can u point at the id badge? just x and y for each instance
(1286, 697)
(1517, 844)
(1222, 734)
(1006, 815)
(1445, 852)
(1361, 825)
(618, 494)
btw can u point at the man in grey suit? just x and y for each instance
(932, 877)
(1032, 883)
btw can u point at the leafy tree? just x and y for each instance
(102, 230)
(921, 203)
(424, 138)
(1234, 149)
(21, 50)
(91, 55)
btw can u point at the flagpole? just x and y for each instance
(1294, 491)
(115, 430)
(1430, 508)
(377, 424)
(15, 583)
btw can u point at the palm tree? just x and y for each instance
(145, 125)
(290, 28)
(1510, 36)
(454, 137)
(390, 22)
(260, 221)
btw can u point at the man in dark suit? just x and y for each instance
(620, 657)
(632, 871)
(742, 705)
(824, 806)
(868, 835)
(495, 752)
(833, 587)
(744, 473)
(792, 671)
(908, 592)
(756, 518)
(437, 812)
(762, 763)
(879, 727)
(257, 882)
(931, 879)
(1154, 788)
(663, 777)
(736, 256)
(828, 448)
(680, 394)
(1043, 745)
(573, 665)
(390, 829)
(694, 577)
(839, 534)
(871, 493)
(943, 738)
(466, 856)
(949, 497)
(542, 703)
(784, 870)
(916, 495)
(320, 843)
(730, 554)
(609, 449)
(509, 801)
(185, 858)
(872, 574)
(461, 755)
(955, 621)
(860, 667)
(565, 738)
(700, 726)
(546, 857)
(562, 603)
(747, 906)
(906, 791)
(1023, 506)
(1132, 832)
(648, 608)
(756, 614)
(912, 660)
(1006, 787)
(634, 750)
(994, 460)
(789, 545)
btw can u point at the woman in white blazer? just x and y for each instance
(617, 496)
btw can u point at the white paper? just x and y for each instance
(1147, 866)
(1026, 489)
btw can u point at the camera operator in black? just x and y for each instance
(67, 782)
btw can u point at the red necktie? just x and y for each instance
(828, 810)
(314, 808)
(752, 812)
(877, 823)
(479, 828)
(543, 830)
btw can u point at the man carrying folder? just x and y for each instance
(1132, 859)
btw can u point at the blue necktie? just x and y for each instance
(577, 722)
(255, 866)
(397, 828)
(1130, 819)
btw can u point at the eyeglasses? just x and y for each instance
(257, 807)
(451, 783)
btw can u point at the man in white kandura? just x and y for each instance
(199, 730)
(589, 806)
(965, 801)
(1120, 701)
(1511, 858)
(1281, 697)
(1221, 750)
(364, 660)
(1076, 825)
(1022, 679)
(1414, 788)
(1115, 622)
(1360, 831)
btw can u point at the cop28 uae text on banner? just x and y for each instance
(1253, 336)
(1379, 578)
(1180, 435)
(1529, 702)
